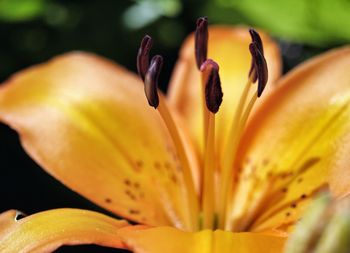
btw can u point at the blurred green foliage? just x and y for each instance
(35, 30)
(314, 22)
(143, 12)
(19, 10)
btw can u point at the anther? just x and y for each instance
(257, 39)
(151, 80)
(201, 41)
(142, 61)
(260, 67)
(213, 91)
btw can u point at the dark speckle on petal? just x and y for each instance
(134, 211)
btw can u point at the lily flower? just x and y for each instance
(219, 164)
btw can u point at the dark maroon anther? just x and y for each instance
(151, 80)
(142, 61)
(257, 39)
(201, 41)
(213, 91)
(260, 67)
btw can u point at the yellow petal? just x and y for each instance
(171, 240)
(87, 122)
(297, 143)
(46, 231)
(228, 46)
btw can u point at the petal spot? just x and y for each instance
(173, 178)
(134, 211)
(265, 162)
(157, 165)
(130, 194)
(127, 182)
(167, 165)
(138, 166)
(284, 190)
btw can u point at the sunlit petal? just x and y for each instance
(87, 122)
(296, 144)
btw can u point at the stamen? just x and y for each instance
(151, 76)
(151, 81)
(258, 71)
(213, 91)
(213, 95)
(256, 39)
(201, 41)
(247, 112)
(142, 60)
(260, 67)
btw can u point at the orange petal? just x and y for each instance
(297, 142)
(171, 240)
(87, 122)
(47, 231)
(228, 46)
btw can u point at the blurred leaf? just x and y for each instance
(316, 22)
(20, 10)
(145, 12)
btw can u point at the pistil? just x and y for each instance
(200, 50)
(213, 100)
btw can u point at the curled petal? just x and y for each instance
(47, 231)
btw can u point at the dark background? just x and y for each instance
(106, 28)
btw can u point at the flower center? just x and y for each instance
(209, 210)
